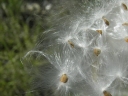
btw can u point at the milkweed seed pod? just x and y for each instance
(85, 52)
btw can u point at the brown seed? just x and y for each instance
(124, 6)
(64, 78)
(126, 39)
(106, 21)
(97, 51)
(125, 24)
(106, 93)
(71, 44)
(99, 31)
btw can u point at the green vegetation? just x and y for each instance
(17, 36)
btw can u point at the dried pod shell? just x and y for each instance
(126, 39)
(97, 51)
(99, 31)
(64, 78)
(106, 21)
(124, 6)
(106, 93)
(71, 44)
(125, 24)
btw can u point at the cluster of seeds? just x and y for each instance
(89, 56)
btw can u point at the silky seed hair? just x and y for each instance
(93, 60)
(99, 31)
(64, 78)
(71, 43)
(97, 51)
(105, 21)
(124, 6)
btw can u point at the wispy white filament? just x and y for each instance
(86, 54)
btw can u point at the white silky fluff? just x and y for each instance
(69, 47)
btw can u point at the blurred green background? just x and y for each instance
(21, 21)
